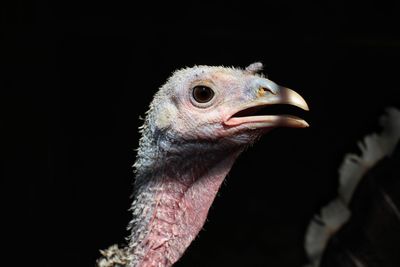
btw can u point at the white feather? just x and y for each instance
(373, 148)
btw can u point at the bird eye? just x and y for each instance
(202, 94)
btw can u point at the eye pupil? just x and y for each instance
(202, 94)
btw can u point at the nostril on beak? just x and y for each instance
(263, 90)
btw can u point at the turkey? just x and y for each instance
(198, 123)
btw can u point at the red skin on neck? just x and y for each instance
(180, 213)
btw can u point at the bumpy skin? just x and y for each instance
(185, 152)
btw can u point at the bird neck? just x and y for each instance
(171, 205)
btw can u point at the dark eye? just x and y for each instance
(202, 94)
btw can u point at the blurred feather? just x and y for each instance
(348, 231)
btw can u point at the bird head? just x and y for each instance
(198, 123)
(223, 105)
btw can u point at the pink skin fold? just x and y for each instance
(180, 215)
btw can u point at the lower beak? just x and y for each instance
(281, 96)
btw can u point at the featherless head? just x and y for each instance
(205, 104)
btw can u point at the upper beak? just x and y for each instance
(280, 95)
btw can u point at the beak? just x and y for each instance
(265, 97)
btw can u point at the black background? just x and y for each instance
(77, 75)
